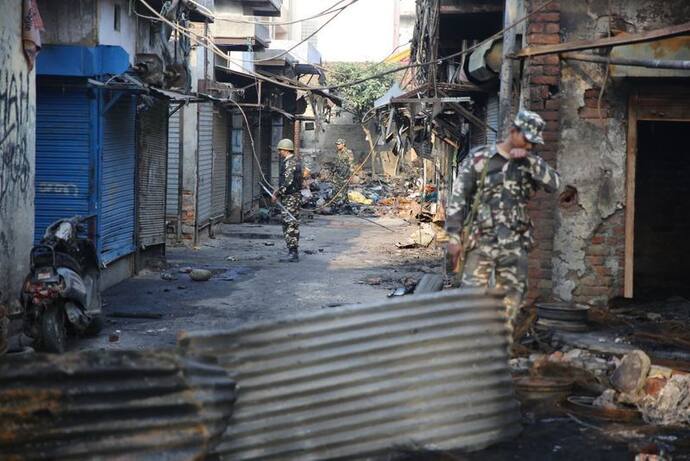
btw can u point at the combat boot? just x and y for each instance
(293, 257)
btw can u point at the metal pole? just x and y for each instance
(650, 63)
(297, 135)
(505, 95)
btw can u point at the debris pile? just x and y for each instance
(405, 196)
(626, 365)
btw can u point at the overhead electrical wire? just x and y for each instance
(212, 47)
(327, 11)
(308, 37)
(195, 37)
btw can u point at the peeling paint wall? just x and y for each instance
(589, 238)
(17, 167)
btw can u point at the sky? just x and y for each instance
(363, 32)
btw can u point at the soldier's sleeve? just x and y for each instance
(460, 197)
(288, 177)
(543, 175)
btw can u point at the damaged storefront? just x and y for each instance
(86, 154)
(609, 80)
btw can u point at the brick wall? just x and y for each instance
(543, 80)
(604, 262)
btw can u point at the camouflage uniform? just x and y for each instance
(290, 196)
(343, 169)
(501, 232)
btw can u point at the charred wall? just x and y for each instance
(588, 244)
(17, 145)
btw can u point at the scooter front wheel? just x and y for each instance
(53, 330)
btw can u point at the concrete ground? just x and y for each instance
(338, 254)
(341, 257)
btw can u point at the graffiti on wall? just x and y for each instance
(15, 128)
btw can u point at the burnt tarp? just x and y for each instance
(110, 405)
(427, 371)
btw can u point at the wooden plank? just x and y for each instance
(631, 164)
(621, 39)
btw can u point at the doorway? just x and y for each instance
(662, 214)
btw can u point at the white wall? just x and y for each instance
(127, 35)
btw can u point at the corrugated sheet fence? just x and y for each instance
(427, 371)
(111, 405)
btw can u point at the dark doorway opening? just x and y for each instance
(662, 211)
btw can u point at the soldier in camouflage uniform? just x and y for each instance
(344, 167)
(290, 196)
(500, 231)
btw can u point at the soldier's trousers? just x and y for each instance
(508, 265)
(340, 188)
(293, 203)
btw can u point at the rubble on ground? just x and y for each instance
(405, 196)
(627, 362)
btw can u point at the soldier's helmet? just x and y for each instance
(340, 141)
(531, 125)
(285, 144)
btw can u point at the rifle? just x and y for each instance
(469, 221)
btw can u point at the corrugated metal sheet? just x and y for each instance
(429, 371)
(172, 208)
(64, 140)
(492, 117)
(117, 180)
(153, 140)
(111, 405)
(205, 163)
(220, 162)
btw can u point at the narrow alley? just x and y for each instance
(344, 230)
(346, 261)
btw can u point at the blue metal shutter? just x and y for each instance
(117, 180)
(205, 163)
(64, 141)
(172, 208)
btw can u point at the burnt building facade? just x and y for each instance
(610, 79)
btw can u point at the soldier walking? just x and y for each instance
(289, 194)
(344, 167)
(504, 176)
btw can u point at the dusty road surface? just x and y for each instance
(344, 260)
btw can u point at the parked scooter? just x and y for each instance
(62, 291)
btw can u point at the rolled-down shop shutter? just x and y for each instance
(64, 165)
(220, 162)
(205, 163)
(248, 174)
(492, 118)
(117, 178)
(151, 191)
(478, 133)
(172, 206)
(236, 168)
